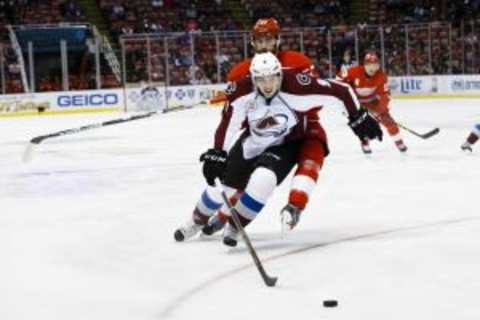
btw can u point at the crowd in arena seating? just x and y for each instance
(410, 11)
(300, 13)
(208, 41)
(155, 16)
(15, 12)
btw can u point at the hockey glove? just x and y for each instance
(365, 127)
(214, 164)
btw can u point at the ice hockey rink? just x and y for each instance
(86, 228)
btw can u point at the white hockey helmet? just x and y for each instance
(266, 73)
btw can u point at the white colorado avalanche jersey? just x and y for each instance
(282, 118)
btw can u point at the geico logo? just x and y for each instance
(81, 100)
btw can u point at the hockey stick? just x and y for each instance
(28, 153)
(425, 135)
(269, 281)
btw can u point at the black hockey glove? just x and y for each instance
(365, 127)
(214, 164)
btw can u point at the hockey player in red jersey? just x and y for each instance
(266, 38)
(273, 107)
(371, 87)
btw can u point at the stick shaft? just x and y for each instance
(269, 281)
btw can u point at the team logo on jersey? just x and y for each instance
(231, 87)
(270, 125)
(304, 79)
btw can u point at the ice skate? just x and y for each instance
(187, 231)
(214, 225)
(401, 146)
(290, 216)
(366, 147)
(230, 235)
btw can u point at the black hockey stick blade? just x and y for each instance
(425, 135)
(269, 281)
(431, 133)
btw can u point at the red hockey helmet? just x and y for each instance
(371, 57)
(266, 35)
(267, 26)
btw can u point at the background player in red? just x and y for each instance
(371, 87)
(265, 37)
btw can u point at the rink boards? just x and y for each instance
(153, 98)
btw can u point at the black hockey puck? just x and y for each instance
(330, 303)
(179, 236)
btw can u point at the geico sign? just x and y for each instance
(82, 100)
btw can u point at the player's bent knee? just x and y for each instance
(261, 184)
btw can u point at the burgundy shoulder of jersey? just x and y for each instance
(297, 82)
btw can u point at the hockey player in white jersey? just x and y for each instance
(272, 106)
(472, 138)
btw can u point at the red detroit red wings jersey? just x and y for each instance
(368, 89)
(288, 59)
(285, 117)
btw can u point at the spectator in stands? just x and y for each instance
(157, 3)
(200, 78)
(118, 11)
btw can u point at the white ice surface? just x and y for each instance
(86, 229)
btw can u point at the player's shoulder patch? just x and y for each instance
(303, 78)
